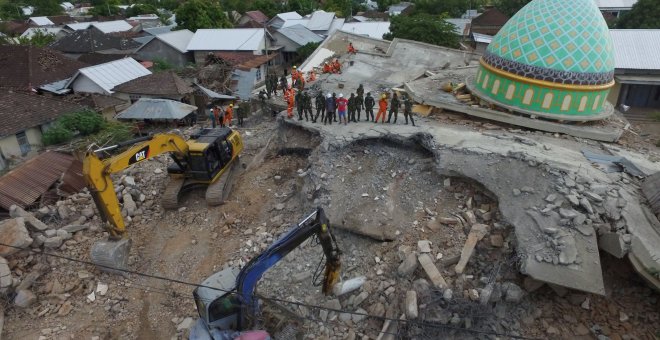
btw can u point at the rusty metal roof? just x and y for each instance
(26, 183)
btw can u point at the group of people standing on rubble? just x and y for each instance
(332, 107)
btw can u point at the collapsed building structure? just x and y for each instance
(543, 71)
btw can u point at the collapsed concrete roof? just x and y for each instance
(558, 239)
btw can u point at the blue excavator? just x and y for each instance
(226, 300)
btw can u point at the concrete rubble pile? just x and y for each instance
(69, 228)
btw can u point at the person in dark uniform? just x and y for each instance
(394, 108)
(307, 106)
(369, 104)
(298, 100)
(330, 107)
(319, 103)
(407, 109)
(351, 108)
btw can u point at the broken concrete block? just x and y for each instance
(573, 199)
(477, 232)
(424, 246)
(614, 244)
(530, 284)
(53, 242)
(360, 298)
(432, 271)
(14, 234)
(408, 266)
(584, 203)
(496, 241)
(411, 305)
(129, 205)
(593, 196)
(448, 220)
(512, 293)
(30, 220)
(5, 275)
(469, 217)
(72, 228)
(348, 286)
(567, 213)
(24, 298)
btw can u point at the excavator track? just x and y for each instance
(217, 192)
(170, 199)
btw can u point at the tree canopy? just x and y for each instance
(644, 14)
(432, 29)
(268, 7)
(510, 7)
(455, 8)
(46, 7)
(196, 14)
(139, 9)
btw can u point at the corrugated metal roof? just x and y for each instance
(337, 24)
(212, 94)
(113, 26)
(44, 30)
(300, 34)
(636, 49)
(156, 109)
(232, 39)
(159, 30)
(373, 29)
(25, 184)
(179, 40)
(320, 21)
(482, 38)
(294, 22)
(111, 74)
(615, 4)
(41, 21)
(80, 25)
(289, 15)
(143, 40)
(460, 24)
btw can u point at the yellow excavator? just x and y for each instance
(208, 159)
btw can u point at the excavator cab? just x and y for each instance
(210, 151)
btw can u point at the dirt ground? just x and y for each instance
(375, 184)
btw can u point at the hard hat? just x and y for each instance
(329, 95)
(384, 96)
(231, 105)
(294, 66)
(341, 95)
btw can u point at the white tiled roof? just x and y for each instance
(373, 29)
(289, 16)
(636, 49)
(177, 39)
(320, 21)
(41, 21)
(300, 34)
(111, 74)
(232, 39)
(45, 30)
(113, 26)
(615, 4)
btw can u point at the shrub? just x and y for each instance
(56, 134)
(85, 122)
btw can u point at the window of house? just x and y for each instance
(259, 73)
(134, 97)
(527, 99)
(547, 100)
(23, 143)
(496, 86)
(566, 104)
(510, 91)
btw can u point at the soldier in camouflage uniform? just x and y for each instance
(319, 102)
(351, 108)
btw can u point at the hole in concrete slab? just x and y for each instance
(388, 187)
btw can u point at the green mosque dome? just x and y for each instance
(552, 59)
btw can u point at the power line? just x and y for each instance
(265, 298)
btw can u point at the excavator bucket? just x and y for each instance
(111, 255)
(331, 275)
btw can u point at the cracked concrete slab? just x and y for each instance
(543, 168)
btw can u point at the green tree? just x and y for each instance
(432, 29)
(84, 122)
(38, 38)
(139, 9)
(306, 50)
(644, 14)
(268, 7)
(10, 10)
(303, 7)
(510, 7)
(105, 9)
(46, 7)
(455, 8)
(384, 4)
(196, 14)
(56, 134)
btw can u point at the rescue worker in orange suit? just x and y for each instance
(351, 49)
(289, 97)
(229, 114)
(327, 68)
(382, 108)
(336, 66)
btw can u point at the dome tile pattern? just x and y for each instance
(563, 34)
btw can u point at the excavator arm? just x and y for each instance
(96, 172)
(315, 224)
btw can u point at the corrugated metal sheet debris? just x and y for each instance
(26, 183)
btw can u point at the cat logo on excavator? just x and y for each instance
(141, 155)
